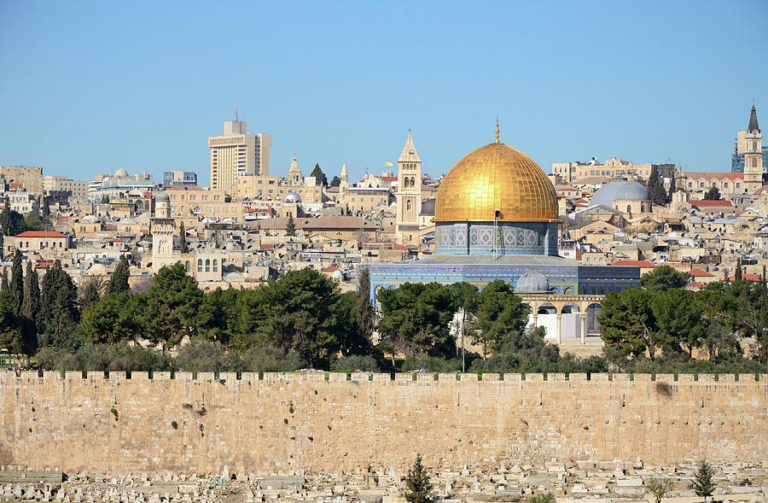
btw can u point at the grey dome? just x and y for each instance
(292, 197)
(619, 189)
(162, 197)
(532, 282)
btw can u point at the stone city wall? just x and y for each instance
(331, 422)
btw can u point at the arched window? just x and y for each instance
(413, 182)
(199, 265)
(629, 208)
(754, 146)
(207, 265)
(405, 182)
(215, 265)
(186, 265)
(754, 163)
(408, 205)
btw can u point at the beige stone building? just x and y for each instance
(28, 177)
(237, 152)
(575, 171)
(273, 189)
(21, 201)
(78, 189)
(36, 241)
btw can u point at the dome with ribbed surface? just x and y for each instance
(496, 182)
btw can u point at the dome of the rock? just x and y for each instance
(496, 183)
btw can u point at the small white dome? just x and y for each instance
(162, 197)
(532, 282)
(121, 172)
(292, 197)
(337, 275)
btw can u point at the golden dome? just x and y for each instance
(496, 178)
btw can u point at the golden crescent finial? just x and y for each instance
(497, 129)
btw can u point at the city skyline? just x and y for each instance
(91, 88)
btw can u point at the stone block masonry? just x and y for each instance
(321, 422)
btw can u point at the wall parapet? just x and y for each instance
(288, 377)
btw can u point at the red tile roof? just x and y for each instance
(748, 277)
(698, 273)
(703, 203)
(714, 175)
(635, 263)
(40, 234)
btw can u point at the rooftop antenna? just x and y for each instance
(237, 114)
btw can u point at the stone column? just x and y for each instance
(583, 317)
(559, 324)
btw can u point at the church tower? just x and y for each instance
(294, 173)
(753, 154)
(408, 194)
(344, 178)
(163, 231)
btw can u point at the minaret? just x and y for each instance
(753, 154)
(163, 229)
(294, 173)
(408, 194)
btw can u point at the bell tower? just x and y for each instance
(753, 154)
(408, 194)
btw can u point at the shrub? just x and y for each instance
(431, 364)
(356, 362)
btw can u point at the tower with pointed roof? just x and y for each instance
(344, 178)
(408, 195)
(753, 154)
(294, 173)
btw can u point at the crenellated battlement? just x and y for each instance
(314, 376)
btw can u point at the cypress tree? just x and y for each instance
(183, 239)
(17, 282)
(290, 227)
(30, 309)
(737, 274)
(4, 285)
(31, 303)
(58, 306)
(656, 190)
(119, 280)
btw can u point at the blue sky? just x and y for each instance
(89, 87)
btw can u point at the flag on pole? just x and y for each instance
(387, 163)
